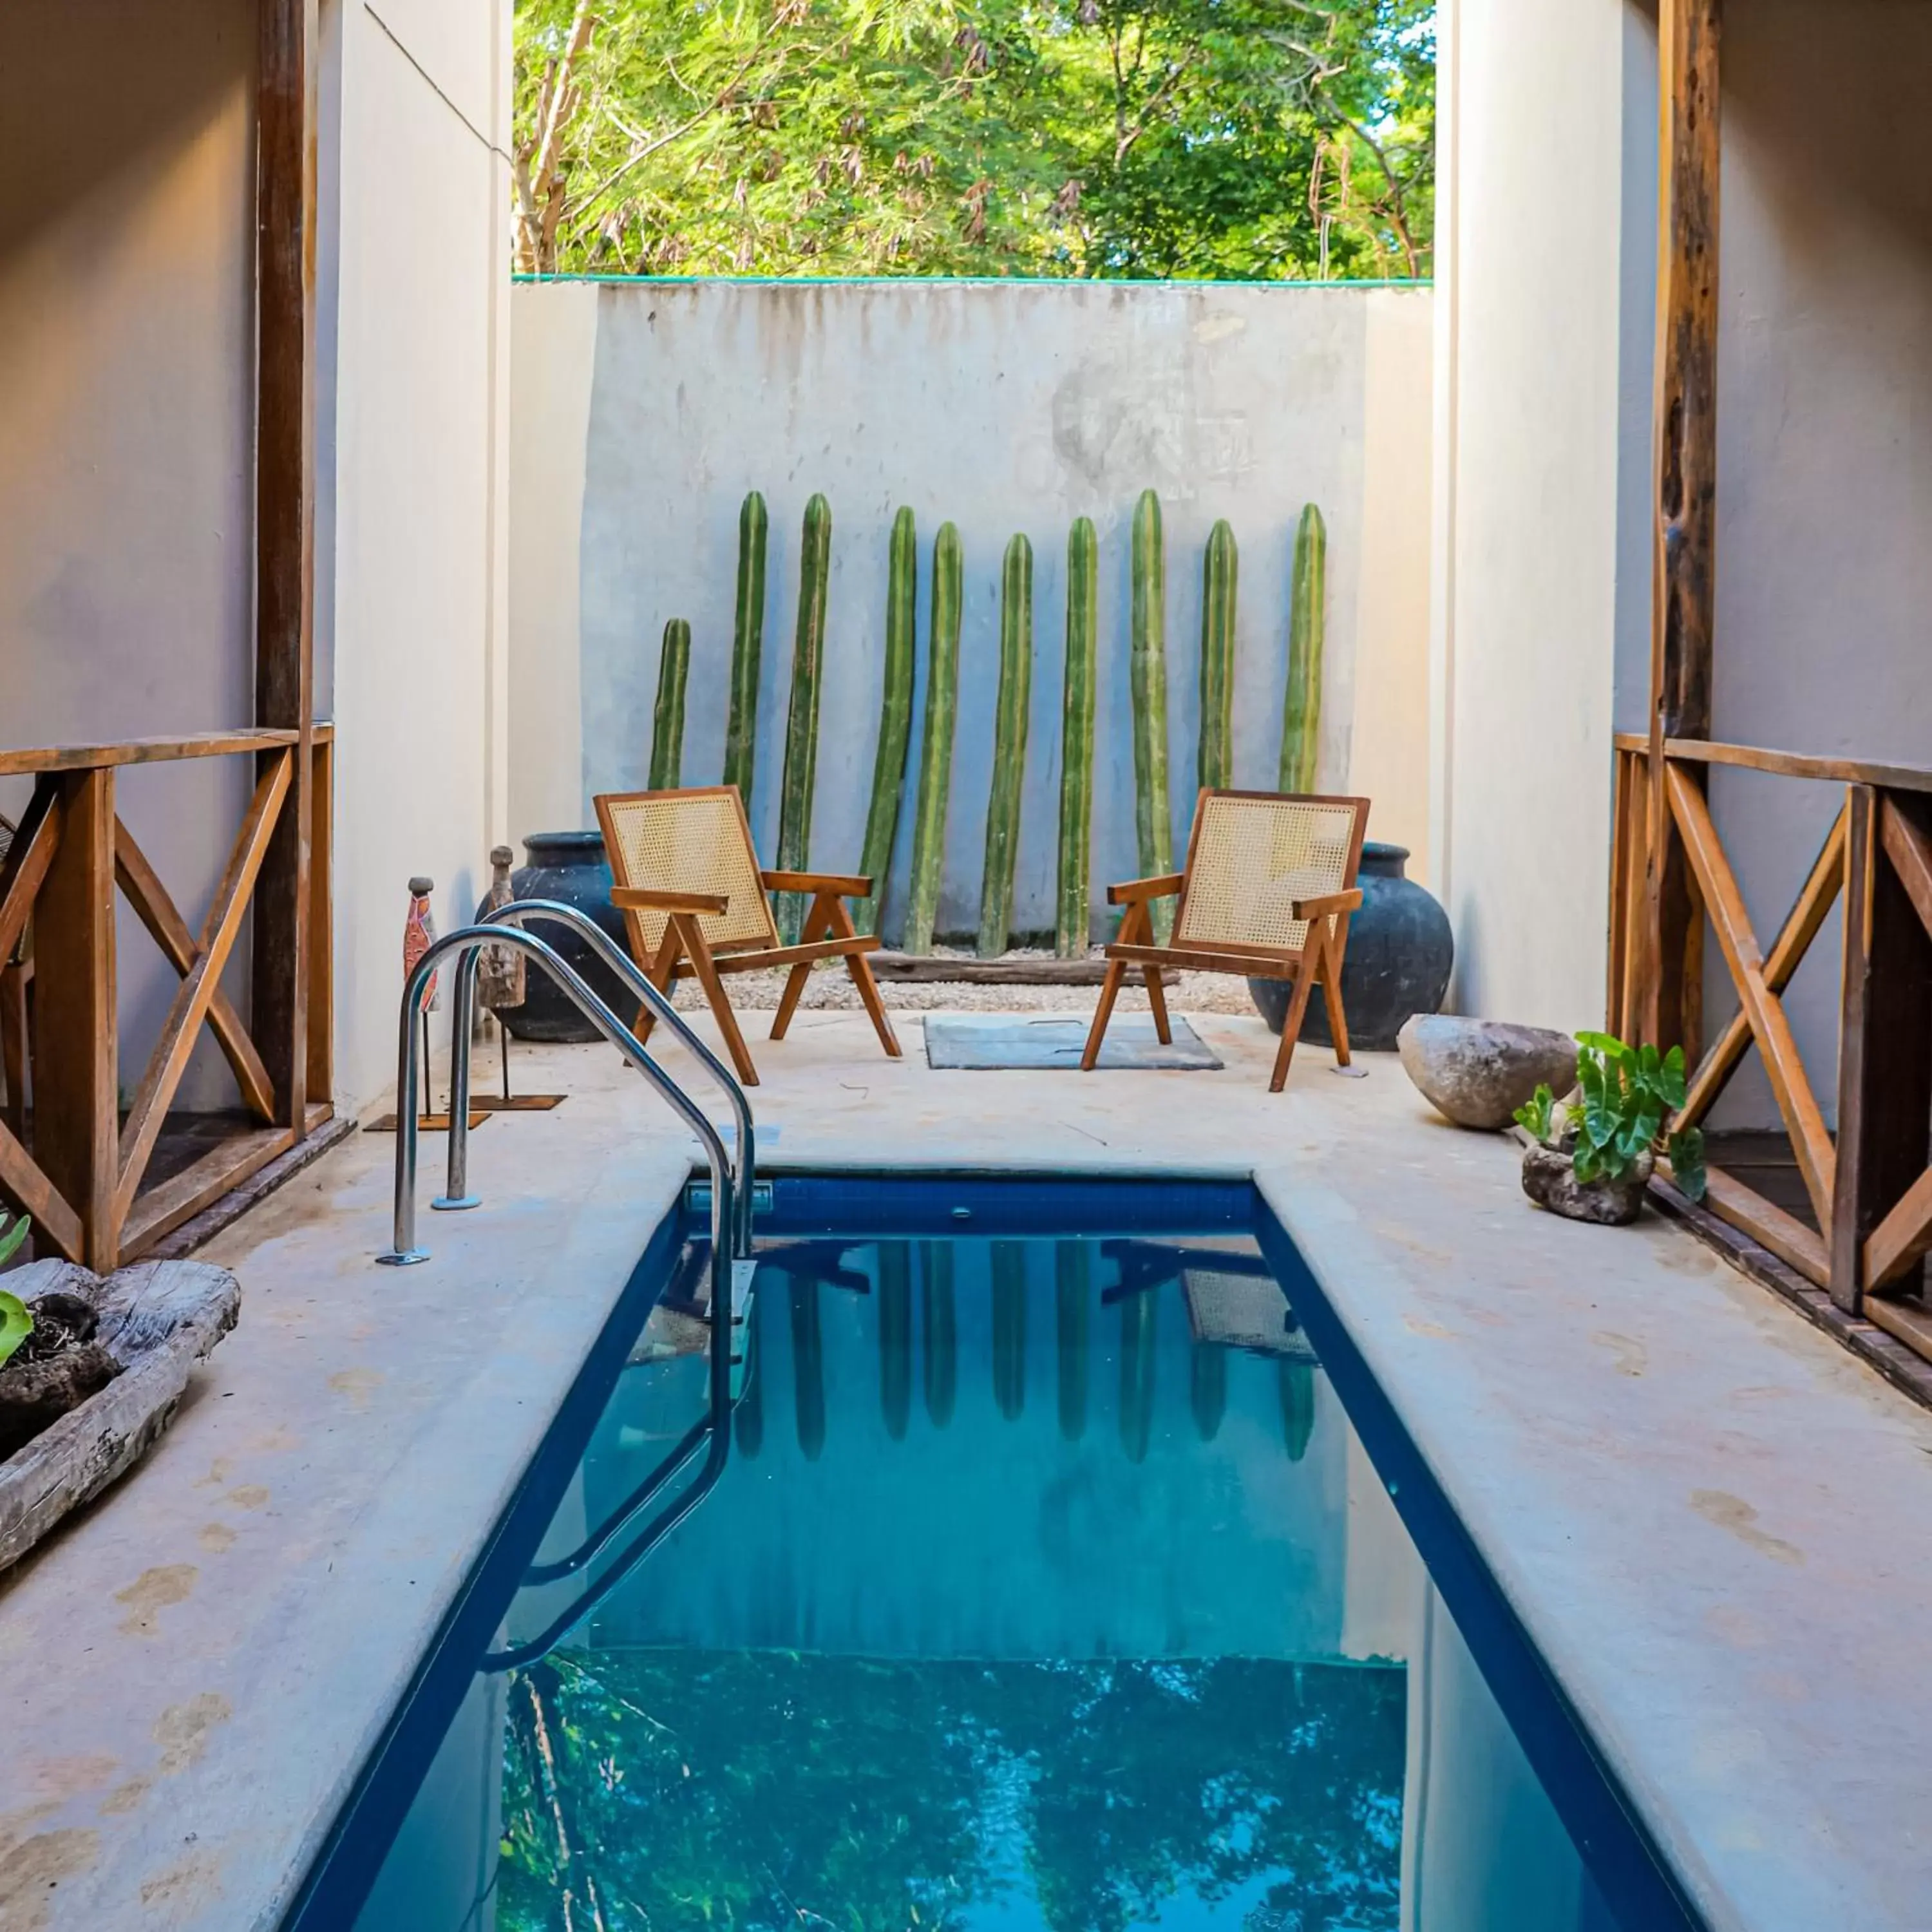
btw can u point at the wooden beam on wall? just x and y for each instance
(1684, 576)
(285, 199)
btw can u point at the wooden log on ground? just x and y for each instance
(931, 969)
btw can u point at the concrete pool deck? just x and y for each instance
(1716, 1524)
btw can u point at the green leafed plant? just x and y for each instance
(748, 633)
(668, 721)
(882, 821)
(801, 758)
(1076, 739)
(1009, 747)
(17, 1320)
(935, 752)
(1219, 570)
(1626, 1095)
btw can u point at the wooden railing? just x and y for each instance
(74, 1163)
(1870, 1187)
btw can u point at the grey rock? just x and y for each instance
(1550, 1180)
(1477, 1072)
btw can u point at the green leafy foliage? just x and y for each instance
(17, 1320)
(1258, 139)
(1627, 1093)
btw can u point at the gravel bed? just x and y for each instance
(830, 989)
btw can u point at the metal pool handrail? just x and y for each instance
(456, 1191)
(463, 943)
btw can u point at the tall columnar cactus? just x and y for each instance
(1153, 822)
(935, 752)
(1220, 568)
(1301, 710)
(1076, 740)
(668, 721)
(801, 758)
(882, 821)
(748, 634)
(1009, 747)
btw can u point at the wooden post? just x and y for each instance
(285, 202)
(77, 1120)
(1885, 1045)
(1683, 575)
(321, 925)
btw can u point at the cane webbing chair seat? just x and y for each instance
(1267, 892)
(695, 905)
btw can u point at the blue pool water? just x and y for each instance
(1049, 1587)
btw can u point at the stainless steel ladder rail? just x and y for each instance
(456, 1193)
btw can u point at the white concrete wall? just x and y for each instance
(127, 262)
(1003, 408)
(1527, 503)
(413, 550)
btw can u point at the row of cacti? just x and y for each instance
(1147, 676)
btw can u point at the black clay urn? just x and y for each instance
(569, 866)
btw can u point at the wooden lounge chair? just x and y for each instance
(1269, 887)
(692, 893)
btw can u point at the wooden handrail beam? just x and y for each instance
(1783, 764)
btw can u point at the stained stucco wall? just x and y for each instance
(1004, 409)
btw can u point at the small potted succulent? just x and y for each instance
(1591, 1155)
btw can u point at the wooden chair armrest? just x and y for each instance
(846, 885)
(1328, 903)
(650, 899)
(1164, 887)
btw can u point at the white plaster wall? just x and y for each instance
(1003, 408)
(1526, 507)
(417, 570)
(126, 429)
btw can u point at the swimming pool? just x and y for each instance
(1066, 1571)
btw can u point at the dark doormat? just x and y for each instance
(981, 1042)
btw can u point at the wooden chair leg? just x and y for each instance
(818, 923)
(1291, 1029)
(1110, 992)
(692, 939)
(860, 968)
(1331, 996)
(661, 969)
(1157, 999)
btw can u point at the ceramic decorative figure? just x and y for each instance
(499, 972)
(418, 936)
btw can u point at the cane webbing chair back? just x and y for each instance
(1253, 854)
(693, 841)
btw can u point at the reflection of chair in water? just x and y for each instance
(1268, 888)
(693, 897)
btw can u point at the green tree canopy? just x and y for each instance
(1261, 139)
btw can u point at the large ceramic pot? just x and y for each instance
(1400, 950)
(569, 866)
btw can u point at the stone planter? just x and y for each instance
(1400, 951)
(1550, 1180)
(569, 866)
(155, 1321)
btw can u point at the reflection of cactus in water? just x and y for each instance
(1072, 1290)
(1137, 1375)
(1208, 1388)
(748, 636)
(1298, 1406)
(1009, 1322)
(750, 1416)
(896, 1336)
(668, 720)
(942, 1330)
(807, 1368)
